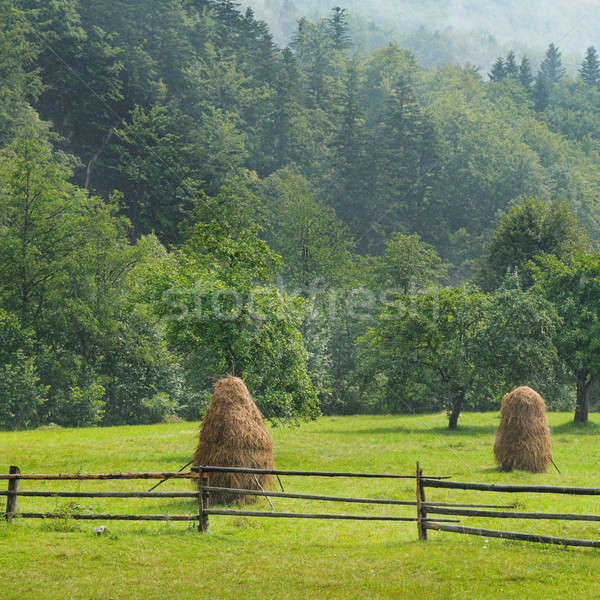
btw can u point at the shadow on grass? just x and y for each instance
(467, 430)
(578, 428)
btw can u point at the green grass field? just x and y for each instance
(244, 558)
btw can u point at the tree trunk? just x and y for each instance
(582, 409)
(455, 411)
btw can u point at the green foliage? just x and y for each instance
(408, 265)
(338, 26)
(452, 348)
(552, 68)
(314, 245)
(574, 288)
(498, 72)
(20, 389)
(221, 308)
(80, 407)
(19, 79)
(319, 166)
(64, 261)
(590, 68)
(530, 228)
(525, 73)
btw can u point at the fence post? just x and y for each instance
(421, 510)
(203, 501)
(12, 499)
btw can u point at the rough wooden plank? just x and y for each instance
(243, 492)
(36, 494)
(494, 487)
(290, 515)
(85, 476)
(105, 517)
(512, 515)
(512, 535)
(212, 469)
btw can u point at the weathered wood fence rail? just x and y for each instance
(427, 523)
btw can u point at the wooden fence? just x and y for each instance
(202, 474)
(14, 492)
(426, 519)
(426, 523)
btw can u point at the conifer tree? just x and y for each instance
(590, 68)
(552, 68)
(541, 92)
(338, 29)
(525, 74)
(349, 187)
(510, 65)
(498, 72)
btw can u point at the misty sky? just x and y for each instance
(572, 24)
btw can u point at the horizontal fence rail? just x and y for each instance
(290, 515)
(269, 494)
(94, 476)
(432, 482)
(211, 469)
(513, 535)
(102, 494)
(434, 510)
(103, 517)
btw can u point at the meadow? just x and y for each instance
(245, 558)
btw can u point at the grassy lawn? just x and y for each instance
(243, 558)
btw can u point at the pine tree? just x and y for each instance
(525, 74)
(552, 68)
(312, 47)
(337, 24)
(498, 72)
(590, 68)
(404, 158)
(541, 92)
(349, 188)
(510, 65)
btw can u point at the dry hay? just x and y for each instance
(233, 434)
(523, 437)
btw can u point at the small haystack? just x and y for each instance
(523, 438)
(233, 434)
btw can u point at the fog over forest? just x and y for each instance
(475, 31)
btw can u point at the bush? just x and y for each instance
(21, 393)
(81, 407)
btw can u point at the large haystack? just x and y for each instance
(523, 438)
(233, 434)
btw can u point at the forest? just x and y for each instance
(350, 230)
